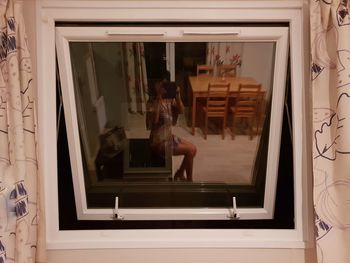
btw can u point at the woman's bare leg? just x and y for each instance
(188, 150)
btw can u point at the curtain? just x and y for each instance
(330, 69)
(18, 160)
(137, 86)
(224, 53)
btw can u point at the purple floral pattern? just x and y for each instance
(224, 53)
(330, 67)
(18, 160)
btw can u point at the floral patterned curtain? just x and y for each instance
(330, 49)
(18, 160)
(224, 53)
(137, 77)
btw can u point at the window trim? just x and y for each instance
(50, 12)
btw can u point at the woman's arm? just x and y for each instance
(156, 106)
(152, 113)
(179, 104)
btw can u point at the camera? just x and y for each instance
(170, 89)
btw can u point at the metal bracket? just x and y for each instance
(233, 213)
(116, 214)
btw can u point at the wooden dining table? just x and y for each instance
(199, 89)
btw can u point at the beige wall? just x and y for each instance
(162, 255)
(179, 255)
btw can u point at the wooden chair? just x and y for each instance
(216, 105)
(227, 70)
(205, 70)
(247, 106)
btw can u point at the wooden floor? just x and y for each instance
(217, 160)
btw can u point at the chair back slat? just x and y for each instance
(248, 99)
(217, 97)
(203, 69)
(247, 105)
(217, 104)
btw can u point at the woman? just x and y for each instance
(163, 111)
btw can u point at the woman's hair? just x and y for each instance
(152, 89)
(164, 75)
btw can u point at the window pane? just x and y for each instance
(143, 138)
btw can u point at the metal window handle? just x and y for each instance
(233, 213)
(116, 214)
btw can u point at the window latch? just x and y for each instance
(116, 213)
(233, 212)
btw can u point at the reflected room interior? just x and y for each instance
(113, 83)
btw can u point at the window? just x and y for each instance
(109, 80)
(91, 85)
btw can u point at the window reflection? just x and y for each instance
(143, 108)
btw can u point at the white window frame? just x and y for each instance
(170, 59)
(276, 35)
(50, 12)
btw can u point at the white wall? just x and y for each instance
(163, 255)
(258, 61)
(179, 255)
